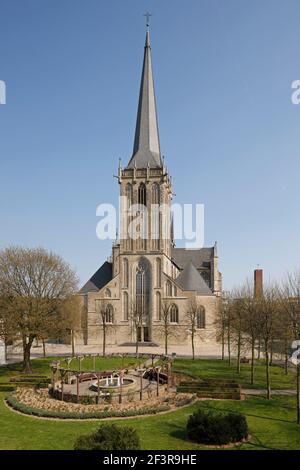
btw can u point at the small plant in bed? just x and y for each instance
(213, 428)
(110, 437)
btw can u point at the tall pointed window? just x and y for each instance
(158, 272)
(125, 306)
(142, 198)
(109, 316)
(168, 289)
(158, 306)
(201, 318)
(125, 272)
(174, 317)
(107, 293)
(129, 202)
(142, 286)
(155, 199)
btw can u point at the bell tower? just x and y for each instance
(145, 185)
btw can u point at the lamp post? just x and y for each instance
(141, 372)
(158, 369)
(121, 385)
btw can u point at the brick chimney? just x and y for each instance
(258, 282)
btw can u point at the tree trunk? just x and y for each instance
(104, 340)
(72, 343)
(286, 357)
(298, 393)
(271, 353)
(259, 348)
(229, 348)
(238, 368)
(166, 344)
(268, 372)
(136, 342)
(44, 347)
(5, 352)
(193, 346)
(26, 354)
(223, 346)
(252, 359)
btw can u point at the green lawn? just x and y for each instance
(272, 423)
(41, 366)
(221, 369)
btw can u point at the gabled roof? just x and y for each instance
(146, 149)
(190, 279)
(99, 279)
(199, 257)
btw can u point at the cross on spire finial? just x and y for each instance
(147, 15)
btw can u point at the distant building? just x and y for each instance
(150, 272)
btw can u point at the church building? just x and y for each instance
(146, 277)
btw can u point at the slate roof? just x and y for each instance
(191, 280)
(99, 279)
(199, 257)
(146, 149)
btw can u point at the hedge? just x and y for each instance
(16, 405)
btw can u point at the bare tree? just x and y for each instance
(137, 317)
(224, 323)
(251, 323)
(220, 324)
(106, 321)
(166, 329)
(35, 282)
(238, 317)
(193, 309)
(290, 303)
(71, 319)
(268, 307)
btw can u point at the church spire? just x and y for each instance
(146, 149)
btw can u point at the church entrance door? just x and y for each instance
(143, 335)
(139, 334)
(146, 334)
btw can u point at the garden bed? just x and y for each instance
(38, 403)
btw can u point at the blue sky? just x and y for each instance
(223, 72)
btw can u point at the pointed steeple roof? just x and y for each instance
(146, 149)
(190, 279)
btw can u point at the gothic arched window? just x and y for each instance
(107, 293)
(142, 199)
(128, 194)
(125, 272)
(155, 216)
(168, 289)
(155, 193)
(125, 306)
(109, 316)
(174, 314)
(158, 272)
(142, 286)
(129, 202)
(158, 305)
(201, 318)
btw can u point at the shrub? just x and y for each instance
(109, 437)
(216, 428)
